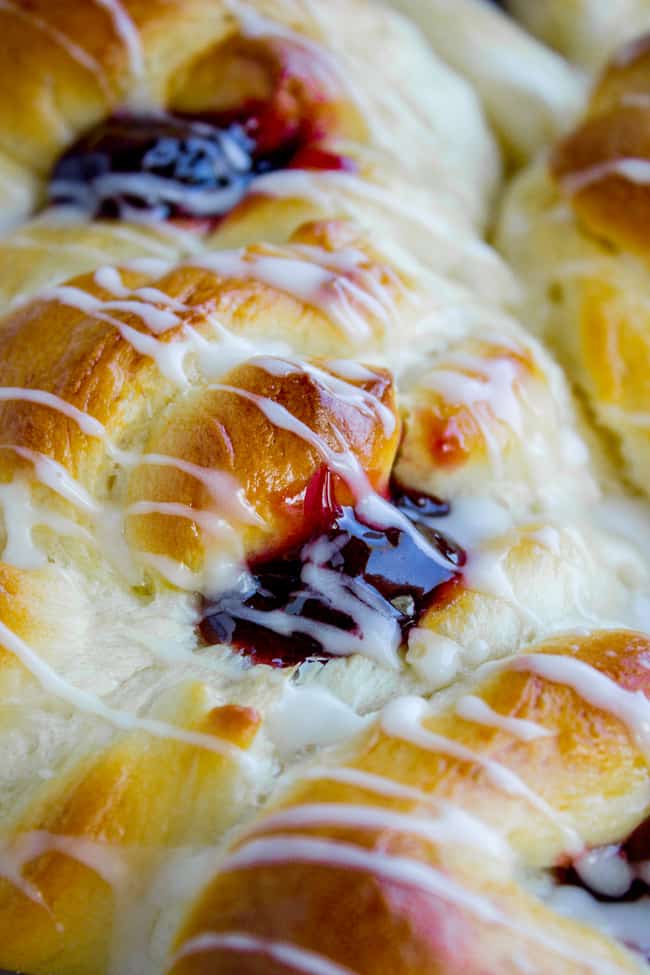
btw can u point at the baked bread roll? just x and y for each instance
(576, 231)
(424, 884)
(528, 108)
(585, 31)
(287, 495)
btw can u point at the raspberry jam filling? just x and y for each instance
(616, 876)
(356, 579)
(172, 167)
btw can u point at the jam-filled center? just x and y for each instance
(141, 168)
(359, 583)
(617, 877)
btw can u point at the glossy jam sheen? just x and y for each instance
(183, 157)
(194, 156)
(385, 562)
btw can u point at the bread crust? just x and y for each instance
(318, 650)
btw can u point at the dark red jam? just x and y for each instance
(131, 167)
(300, 603)
(632, 878)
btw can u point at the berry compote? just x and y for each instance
(355, 573)
(173, 167)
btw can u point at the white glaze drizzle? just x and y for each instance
(223, 488)
(19, 519)
(62, 40)
(379, 632)
(475, 709)
(487, 386)
(472, 379)
(56, 477)
(389, 788)
(90, 703)
(632, 708)
(196, 202)
(86, 423)
(286, 954)
(633, 170)
(21, 516)
(211, 523)
(342, 462)
(128, 33)
(155, 319)
(402, 718)
(452, 825)
(627, 922)
(320, 281)
(283, 849)
(291, 271)
(306, 715)
(106, 861)
(370, 782)
(155, 267)
(318, 63)
(347, 194)
(605, 871)
(110, 279)
(168, 356)
(362, 400)
(376, 635)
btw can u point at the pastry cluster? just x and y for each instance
(324, 552)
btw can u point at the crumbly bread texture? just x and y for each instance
(192, 407)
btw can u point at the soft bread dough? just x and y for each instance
(169, 395)
(530, 94)
(576, 230)
(585, 31)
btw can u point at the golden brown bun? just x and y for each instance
(202, 417)
(91, 365)
(125, 798)
(590, 163)
(579, 237)
(92, 55)
(273, 468)
(482, 410)
(79, 64)
(105, 786)
(399, 923)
